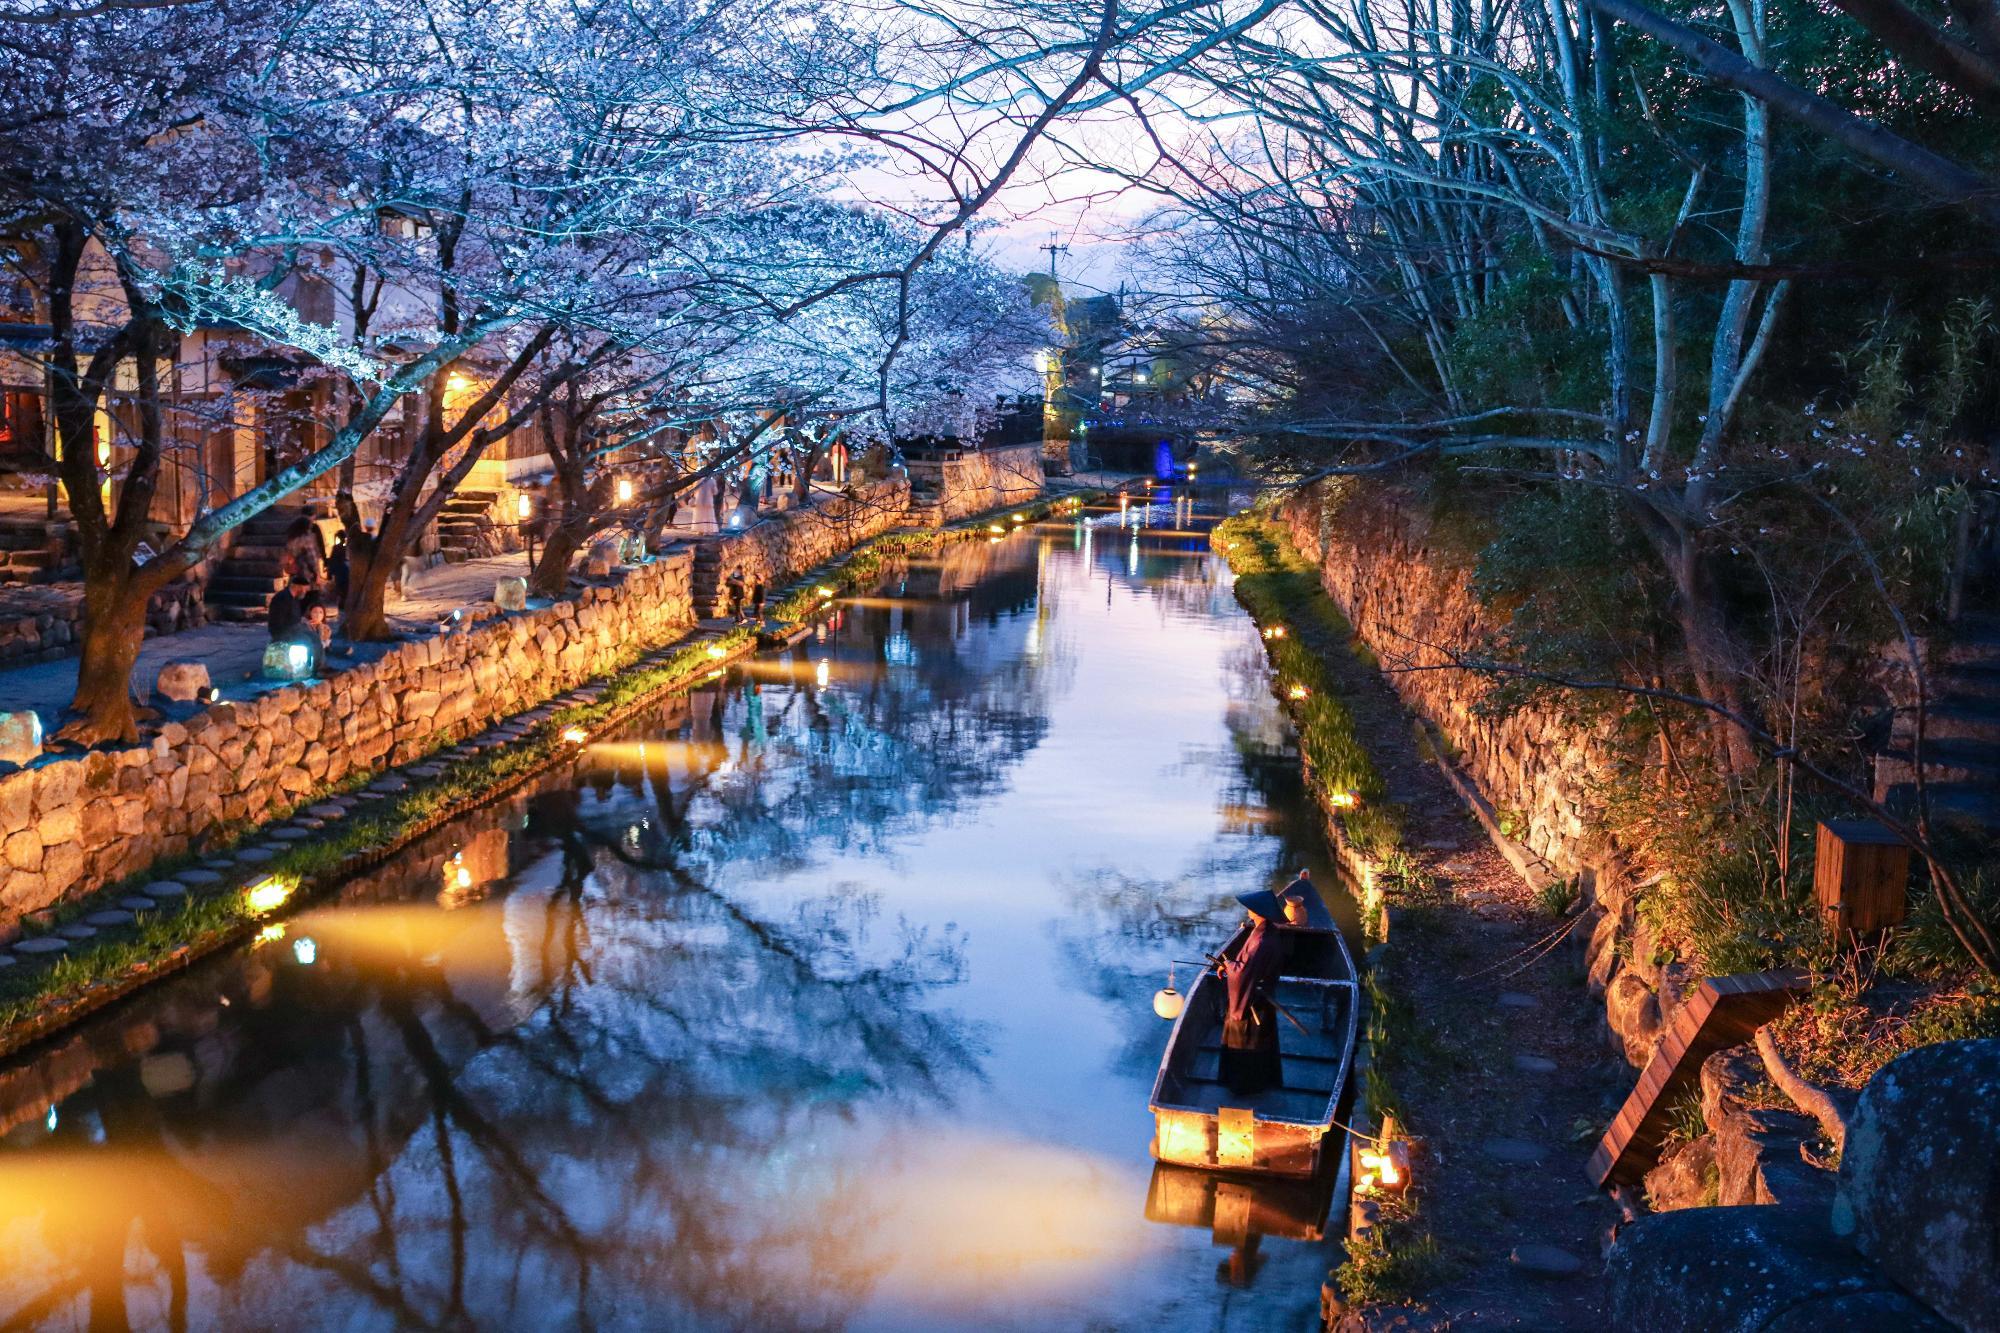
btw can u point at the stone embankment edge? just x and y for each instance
(534, 755)
(1282, 596)
(816, 587)
(54, 1011)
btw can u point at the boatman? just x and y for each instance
(1250, 1060)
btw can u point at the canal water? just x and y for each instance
(820, 998)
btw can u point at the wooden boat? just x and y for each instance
(1199, 1122)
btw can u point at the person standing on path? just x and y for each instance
(733, 588)
(756, 599)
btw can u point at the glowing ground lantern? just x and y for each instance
(624, 490)
(524, 506)
(267, 894)
(290, 659)
(1382, 1165)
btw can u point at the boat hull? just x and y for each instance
(1281, 1131)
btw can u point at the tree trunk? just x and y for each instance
(365, 618)
(1708, 649)
(551, 574)
(802, 484)
(113, 629)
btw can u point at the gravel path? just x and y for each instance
(1500, 1067)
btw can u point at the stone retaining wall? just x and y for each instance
(780, 548)
(976, 481)
(1411, 602)
(1413, 605)
(40, 622)
(70, 824)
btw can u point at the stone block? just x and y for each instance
(511, 594)
(20, 736)
(182, 680)
(1633, 1012)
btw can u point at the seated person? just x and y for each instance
(288, 608)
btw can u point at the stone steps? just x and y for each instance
(1954, 718)
(1979, 802)
(243, 583)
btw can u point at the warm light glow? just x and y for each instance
(995, 527)
(822, 672)
(1385, 1169)
(1344, 800)
(1298, 692)
(624, 490)
(1275, 632)
(271, 933)
(717, 651)
(524, 505)
(1183, 1137)
(825, 591)
(267, 895)
(455, 382)
(1168, 1002)
(464, 877)
(575, 735)
(1020, 518)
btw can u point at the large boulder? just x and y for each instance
(1749, 1270)
(1919, 1185)
(182, 680)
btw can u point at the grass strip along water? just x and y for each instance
(1317, 662)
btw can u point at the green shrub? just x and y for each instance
(1389, 1270)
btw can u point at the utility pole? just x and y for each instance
(1054, 247)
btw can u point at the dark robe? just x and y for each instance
(287, 613)
(1250, 1061)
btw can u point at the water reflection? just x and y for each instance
(817, 999)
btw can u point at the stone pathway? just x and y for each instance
(1499, 1065)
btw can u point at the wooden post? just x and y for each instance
(1861, 875)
